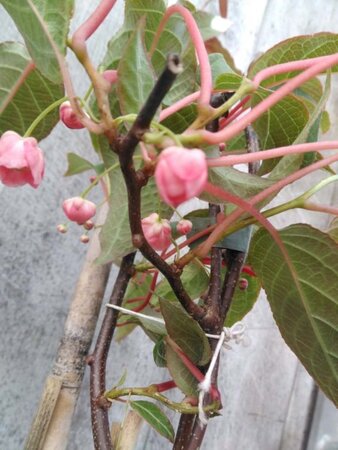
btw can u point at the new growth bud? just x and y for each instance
(184, 226)
(68, 117)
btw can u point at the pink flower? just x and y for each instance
(180, 174)
(157, 231)
(68, 117)
(78, 209)
(21, 160)
(184, 226)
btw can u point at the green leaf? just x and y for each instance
(325, 122)
(23, 98)
(159, 353)
(243, 300)
(152, 414)
(213, 45)
(311, 130)
(194, 279)
(300, 47)
(180, 121)
(186, 332)
(333, 229)
(219, 67)
(282, 123)
(242, 184)
(304, 302)
(40, 21)
(135, 74)
(174, 39)
(228, 82)
(77, 164)
(122, 380)
(115, 236)
(181, 375)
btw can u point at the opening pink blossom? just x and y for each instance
(180, 174)
(21, 160)
(78, 209)
(68, 117)
(157, 231)
(184, 226)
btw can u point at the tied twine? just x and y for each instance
(235, 333)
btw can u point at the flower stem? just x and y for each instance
(94, 183)
(42, 115)
(152, 392)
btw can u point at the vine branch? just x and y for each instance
(98, 359)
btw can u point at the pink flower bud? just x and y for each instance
(184, 226)
(180, 174)
(84, 239)
(78, 209)
(68, 117)
(110, 76)
(62, 228)
(157, 231)
(21, 160)
(89, 225)
(243, 284)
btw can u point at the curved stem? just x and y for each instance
(91, 24)
(42, 115)
(202, 54)
(287, 67)
(206, 137)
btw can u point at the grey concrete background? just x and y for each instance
(265, 391)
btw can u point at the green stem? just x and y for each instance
(160, 136)
(317, 187)
(94, 183)
(43, 114)
(246, 87)
(151, 392)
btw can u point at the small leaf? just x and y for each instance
(186, 332)
(159, 353)
(77, 164)
(23, 98)
(37, 21)
(304, 300)
(325, 122)
(194, 279)
(180, 374)
(152, 414)
(138, 286)
(135, 74)
(122, 380)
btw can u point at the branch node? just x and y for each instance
(103, 403)
(138, 240)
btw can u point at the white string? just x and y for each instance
(234, 333)
(205, 385)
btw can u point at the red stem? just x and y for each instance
(202, 54)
